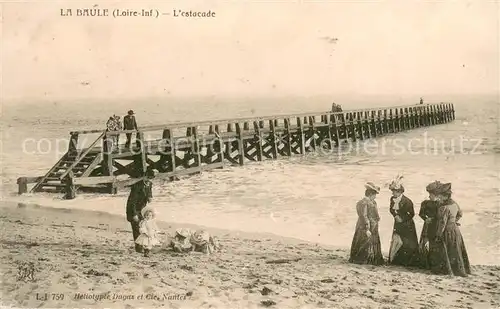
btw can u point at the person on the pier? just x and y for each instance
(111, 140)
(110, 124)
(119, 127)
(129, 123)
(428, 212)
(148, 237)
(336, 108)
(450, 247)
(404, 244)
(140, 195)
(365, 247)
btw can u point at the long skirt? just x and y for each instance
(366, 250)
(449, 256)
(425, 258)
(408, 252)
(425, 245)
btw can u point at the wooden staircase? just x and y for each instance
(81, 164)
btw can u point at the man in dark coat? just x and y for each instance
(140, 195)
(129, 123)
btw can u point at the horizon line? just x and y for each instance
(242, 95)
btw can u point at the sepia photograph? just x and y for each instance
(250, 154)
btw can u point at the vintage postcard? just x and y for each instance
(250, 154)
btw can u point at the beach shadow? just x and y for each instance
(337, 259)
(392, 268)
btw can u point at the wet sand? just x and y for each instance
(86, 259)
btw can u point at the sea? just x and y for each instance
(311, 198)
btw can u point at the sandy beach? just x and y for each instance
(86, 259)
(285, 223)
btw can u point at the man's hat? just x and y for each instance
(151, 173)
(130, 112)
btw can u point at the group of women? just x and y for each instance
(441, 247)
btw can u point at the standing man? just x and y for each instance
(129, 124)
(140, 195)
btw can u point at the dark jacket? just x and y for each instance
(140, 195)
(129, 123)
(428, 209)
(406, 213)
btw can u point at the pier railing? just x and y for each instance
(175, 149)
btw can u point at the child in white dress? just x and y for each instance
(148, 229)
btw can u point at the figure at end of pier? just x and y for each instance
(336, 108)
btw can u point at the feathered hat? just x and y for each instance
(397, 183)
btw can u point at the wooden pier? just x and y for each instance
(177, 149)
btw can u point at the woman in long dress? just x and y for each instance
(404, 243)
(365, 247)
(428, 213)
(450, 248)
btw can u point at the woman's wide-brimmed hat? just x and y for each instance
(184, 232)
(444, 189)
(200, 237)
(148, 209)
(433, 186)
(372, 186)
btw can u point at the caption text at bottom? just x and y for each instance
(112, 296)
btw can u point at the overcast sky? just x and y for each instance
(383, 47)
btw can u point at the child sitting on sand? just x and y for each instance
(186, 241)
(180, 242)
(148, 229)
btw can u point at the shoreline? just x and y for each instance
(85, 259)
(166, 227)
(330, 237)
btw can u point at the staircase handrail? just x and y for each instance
(82, 155)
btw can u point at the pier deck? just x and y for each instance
(176, 149)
